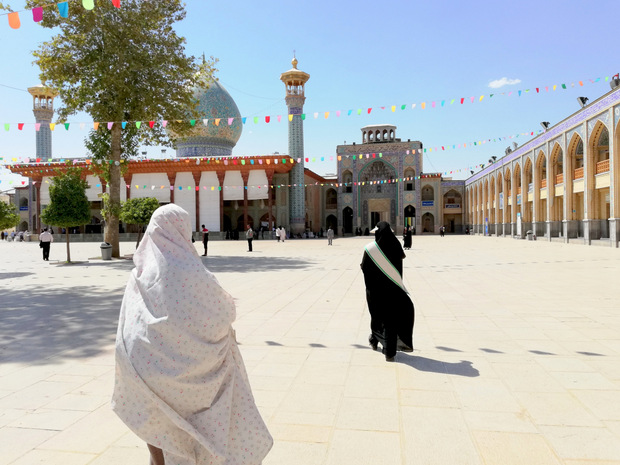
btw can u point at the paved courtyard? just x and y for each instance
(517, 354)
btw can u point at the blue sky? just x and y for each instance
(364, 55)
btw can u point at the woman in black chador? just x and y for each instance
(391, 309)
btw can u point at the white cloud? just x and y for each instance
(503, 82)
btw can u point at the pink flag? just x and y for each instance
(110, 124)
(279, 118)
(337, 113)
(37, 126)
(230, 121)
(164, 123)
(37, 14)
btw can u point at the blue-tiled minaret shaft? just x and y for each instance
(295, 80)
(43, 109)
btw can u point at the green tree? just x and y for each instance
(69, 207)
(122, 65)
(138, 211)
(8, 216)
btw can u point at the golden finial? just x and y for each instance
(294, 61)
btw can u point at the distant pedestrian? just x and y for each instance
(278, 233)
(12, 236)
(205, 239)
(21, 236)
(46, 240)
(407, 239)
(2, 235)
(249, 235)
(330, 235)
(442, 231)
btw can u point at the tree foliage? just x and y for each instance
(9, 218)
(139, 211)
(122, 65)
(69, 206)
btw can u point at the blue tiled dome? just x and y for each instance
(213, 140)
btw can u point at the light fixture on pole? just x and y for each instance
(545, 125)
(582, 101)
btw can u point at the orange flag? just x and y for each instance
(14, 20)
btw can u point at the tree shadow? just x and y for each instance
(254, 263)
(462, 368)
(10, 275)
(45, 323)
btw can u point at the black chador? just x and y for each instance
(391, 309)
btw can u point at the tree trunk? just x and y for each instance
(111, 231)
(68, 250)
(139, 235)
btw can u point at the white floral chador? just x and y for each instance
(181, 384)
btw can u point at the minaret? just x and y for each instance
(43, 109)
(294, 80)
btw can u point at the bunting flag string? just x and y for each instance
(259, 159)
(62, 7)
(326, 114)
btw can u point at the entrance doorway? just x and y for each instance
(375, 217)
(347, 220)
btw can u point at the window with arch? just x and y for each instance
(428, 193)
(347, 179)
(23, 202)
(331, 199)
(410, 179)
(578, 155)
(602, 149)
(452, 197)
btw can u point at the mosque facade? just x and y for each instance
(382, 179)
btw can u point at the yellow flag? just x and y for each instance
(52, 126)
(290, 117)
(393, 108)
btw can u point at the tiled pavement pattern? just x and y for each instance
(517, 354)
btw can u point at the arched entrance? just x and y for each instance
(347, 220)
(242, 226)
(410, 216)
(332, 222)
(428, 223)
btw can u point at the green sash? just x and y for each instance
(379, 259)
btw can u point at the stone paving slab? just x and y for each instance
(517, 353)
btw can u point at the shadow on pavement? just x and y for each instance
(462, 368)
(43, 323)
(252, 263)
(14, 275)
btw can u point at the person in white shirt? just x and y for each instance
(46, 240)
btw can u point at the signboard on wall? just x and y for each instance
(428, 203)
(452, 205)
